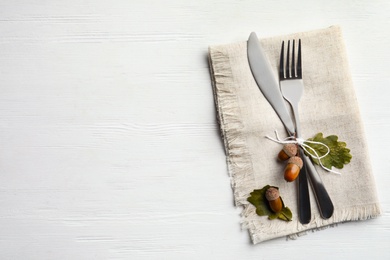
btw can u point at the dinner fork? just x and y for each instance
(291, 85)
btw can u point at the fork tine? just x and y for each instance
(293, 74)
(299, 62)
(281, 64)
(288, 75)
(291, 68)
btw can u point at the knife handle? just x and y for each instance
(303, 196)
(324, 202)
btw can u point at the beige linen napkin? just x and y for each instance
(328, 105)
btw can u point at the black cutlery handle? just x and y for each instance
(324, 202)
(303, 196)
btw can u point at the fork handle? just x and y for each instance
(324, 202)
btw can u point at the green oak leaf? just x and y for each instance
(339, 153)
(273, 216)
(285, 214)
(259, 200)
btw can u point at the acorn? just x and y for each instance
(274, 200)
(289, 150)
(294, 165)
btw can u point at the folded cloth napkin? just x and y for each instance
(328, 105)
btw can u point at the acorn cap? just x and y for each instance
(290, 149)
(272, 194)
(296, 160)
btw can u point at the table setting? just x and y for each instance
(194, 129)
(328, 106)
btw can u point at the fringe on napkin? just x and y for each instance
(238, 158)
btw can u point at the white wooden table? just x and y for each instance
(109, 145)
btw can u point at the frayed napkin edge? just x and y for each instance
(340, 216)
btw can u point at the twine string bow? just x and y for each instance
(307, 148)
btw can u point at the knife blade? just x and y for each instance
(268, 84)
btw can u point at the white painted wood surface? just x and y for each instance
(109, 146)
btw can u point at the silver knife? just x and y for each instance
(268, 84)
(266, 80)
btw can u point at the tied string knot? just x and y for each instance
(304, 145)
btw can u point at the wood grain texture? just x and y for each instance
(109, 141)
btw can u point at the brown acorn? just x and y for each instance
(294, 165)
(274, 200)
(289, 150)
